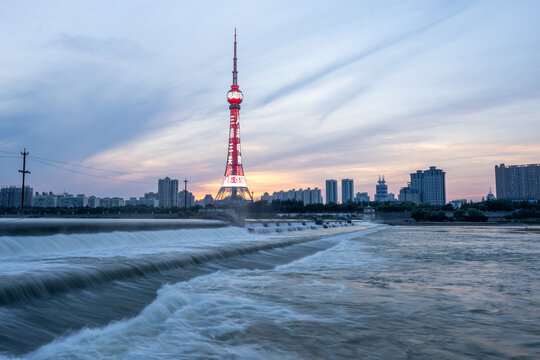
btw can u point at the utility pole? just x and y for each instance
(24, 172)
(185, 195)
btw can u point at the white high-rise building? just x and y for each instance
(426, 186)
(10, 196)
(347, 190)
(331, 191)
(167, 192)
(315, 196)
(518, 182)
(434, 186)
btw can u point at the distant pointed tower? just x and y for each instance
(381, 190)
(234, 186)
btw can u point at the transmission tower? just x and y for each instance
(234, 187)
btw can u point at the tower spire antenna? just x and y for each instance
(235, 71)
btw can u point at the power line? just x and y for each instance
(92, 168)
(47, 162)
(87, 174)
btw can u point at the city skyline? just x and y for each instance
(389, 88)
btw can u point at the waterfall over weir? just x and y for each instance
(55, 284)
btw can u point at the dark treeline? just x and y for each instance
(120, 211)
(472, 211)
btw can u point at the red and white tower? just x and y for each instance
(234, 186)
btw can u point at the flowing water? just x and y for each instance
(373, 293)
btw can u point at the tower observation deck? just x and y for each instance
(234, 187)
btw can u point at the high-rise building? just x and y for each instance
(315, 196)
(434, 186)
(416, 186)
(186, 198)
(311, 196)
(10, 196)
(167, 192)
(234, 187)
(347, 190)
(331, 191)
(381, 190)
(426, 186)
(518, 182)
(409, 194)
(361, 197)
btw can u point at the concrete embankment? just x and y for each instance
(39, 227)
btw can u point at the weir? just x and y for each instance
(79, 288)
(40, 227)
(43, 284)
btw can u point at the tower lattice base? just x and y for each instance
(233, 194)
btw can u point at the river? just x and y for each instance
(362, 292)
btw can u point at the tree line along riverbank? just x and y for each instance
(483, 211)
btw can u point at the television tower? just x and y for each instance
(234, 187)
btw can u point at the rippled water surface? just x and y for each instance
(378, 293)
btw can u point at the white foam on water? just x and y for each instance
(188, 320)
(211, 316)
(82, 244)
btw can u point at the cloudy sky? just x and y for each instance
(131, 91)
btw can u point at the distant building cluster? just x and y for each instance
(427, 186)
(207, 200)
(185, 199)
(361, 197)
(307, 196)
(514, 182)
(65, 200)
(347, 192)
(167, 196)
(518, 182)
